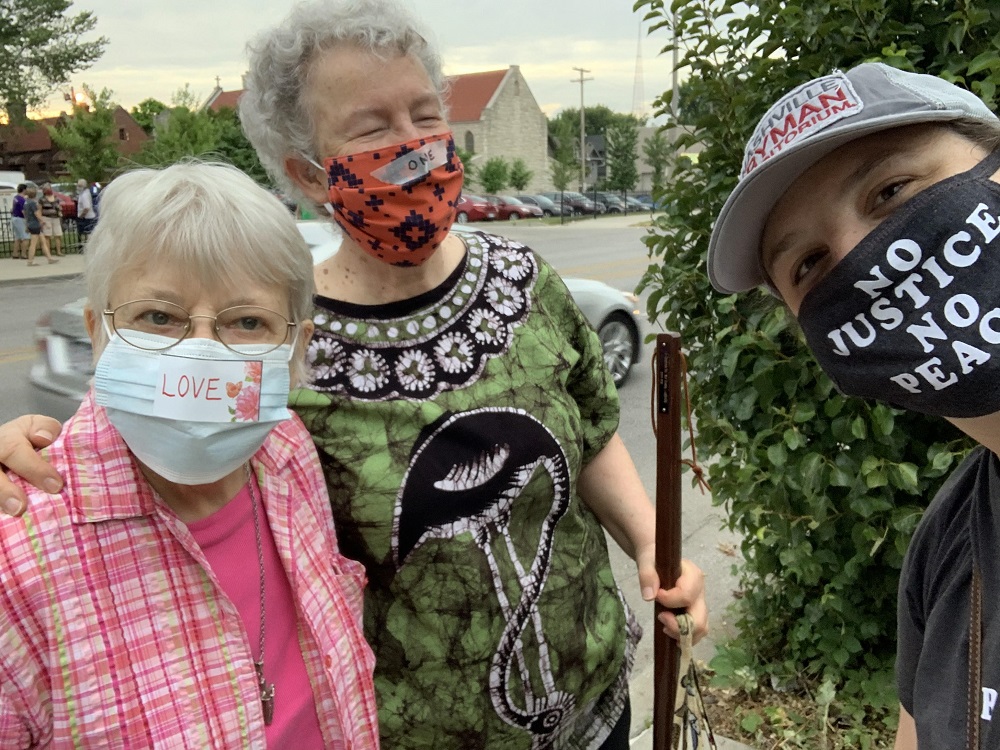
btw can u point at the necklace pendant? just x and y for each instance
(266, 693)
(267, 703)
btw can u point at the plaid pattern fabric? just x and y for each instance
(114, 632)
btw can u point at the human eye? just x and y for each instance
(890, 191)
(251, 324)
(804, 266)
(247, 322)
(152, 316)
(428, 116)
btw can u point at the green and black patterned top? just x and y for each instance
(452, 428)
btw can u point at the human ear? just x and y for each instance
(308, 178)
(90, 319)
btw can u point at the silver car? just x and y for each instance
(64, 366)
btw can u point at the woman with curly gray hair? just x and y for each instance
(465, 419)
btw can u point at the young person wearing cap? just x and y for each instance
(870, 203)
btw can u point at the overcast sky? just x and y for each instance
(157, 46)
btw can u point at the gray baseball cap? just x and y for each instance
(805, 125)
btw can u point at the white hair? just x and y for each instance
(209, 219)
(272, 112)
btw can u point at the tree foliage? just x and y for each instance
(145, 113)
(232, 145)
(565, 166)
(622, 149)
(41, 46)
(657, 151)
(519, 176)
(597, 120)
(824, 490)
(494, 175)
(88, 137)
(190, 131)
(468, 163)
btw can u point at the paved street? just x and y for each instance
(609, 250)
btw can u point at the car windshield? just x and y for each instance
(475, 198)
(511, 199)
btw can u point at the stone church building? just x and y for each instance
(495, 114)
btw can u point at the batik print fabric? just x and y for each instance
(452, 428)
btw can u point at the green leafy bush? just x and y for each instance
(824, 490)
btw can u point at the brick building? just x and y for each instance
(30, 149)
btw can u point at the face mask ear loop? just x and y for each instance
(107, 329)
(328, 206)
(295, 343)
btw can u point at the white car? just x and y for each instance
(64, 366)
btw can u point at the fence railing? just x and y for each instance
(70, 240)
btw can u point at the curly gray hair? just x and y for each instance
(272, 112)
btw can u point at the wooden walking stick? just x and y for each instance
(667, 414)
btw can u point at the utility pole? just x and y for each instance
(583, 137)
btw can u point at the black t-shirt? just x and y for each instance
(932, 665)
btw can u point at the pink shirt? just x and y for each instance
(229, 541)
(116, 632)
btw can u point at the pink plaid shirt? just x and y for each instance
(114, 632)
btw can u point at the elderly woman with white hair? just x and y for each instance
(185, 588)
(465, 420)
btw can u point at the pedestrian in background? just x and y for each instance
(86, 215)
(33, 219)
(18, 225)
(51, 218)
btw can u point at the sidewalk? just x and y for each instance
(702, 539)
(19, 272)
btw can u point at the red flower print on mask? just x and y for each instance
(248, 404)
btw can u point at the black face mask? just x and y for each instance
(912, 315)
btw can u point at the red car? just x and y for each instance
(509, 207)
(474, 208)
(67, 203)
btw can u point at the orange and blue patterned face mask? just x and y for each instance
(397, 202)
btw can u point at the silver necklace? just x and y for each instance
(266, 690)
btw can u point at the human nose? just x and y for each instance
(202, 327)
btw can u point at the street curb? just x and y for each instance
(29, 280)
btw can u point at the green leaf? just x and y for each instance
(777, 454)
(751, 722)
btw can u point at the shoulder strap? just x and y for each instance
(975, 659)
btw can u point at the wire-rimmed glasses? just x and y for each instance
(254, 330)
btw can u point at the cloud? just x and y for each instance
(157, 47)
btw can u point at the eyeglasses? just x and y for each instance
(255, 330)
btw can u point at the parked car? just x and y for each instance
(474, 208)
(509, 207)
(548, 207)
(579, 202)
(66, 203)
(612, 203)
(64, 365)
(634, 204)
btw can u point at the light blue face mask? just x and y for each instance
(197, 411)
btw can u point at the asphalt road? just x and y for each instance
(609, 250)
